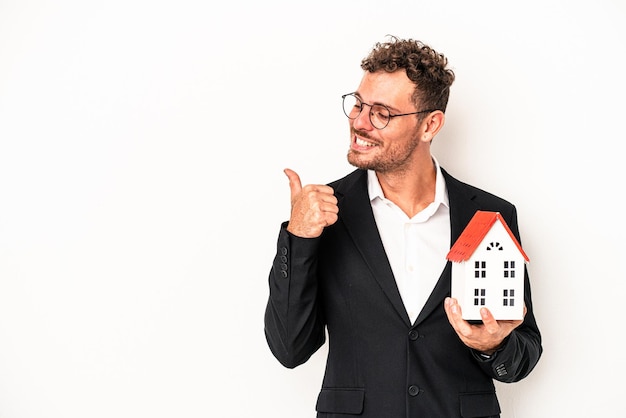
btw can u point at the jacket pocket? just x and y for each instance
(479, 404)
(341, 400)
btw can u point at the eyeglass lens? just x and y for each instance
(378, 114)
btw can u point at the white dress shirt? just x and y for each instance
(416, 247)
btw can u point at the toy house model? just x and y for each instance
(488, 269)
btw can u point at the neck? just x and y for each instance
(411, 190)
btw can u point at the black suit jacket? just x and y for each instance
(379, 364)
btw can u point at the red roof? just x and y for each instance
(474, 233)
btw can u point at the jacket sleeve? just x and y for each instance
(294, 327)
(521, 351)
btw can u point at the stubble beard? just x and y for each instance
(395, 159)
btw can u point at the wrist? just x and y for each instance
(490, 352)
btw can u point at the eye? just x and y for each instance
(381, 113)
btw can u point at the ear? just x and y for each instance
(432, 124)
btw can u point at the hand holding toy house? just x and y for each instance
(488, 269)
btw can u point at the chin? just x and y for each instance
(354, 160)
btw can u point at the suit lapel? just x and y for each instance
(358, 218)
(462, 208)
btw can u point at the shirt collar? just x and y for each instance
(441, 196)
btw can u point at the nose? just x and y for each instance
(362, 122)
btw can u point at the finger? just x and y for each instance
(452, 311)
(455, 317)
(328, 195)
(325, 192)
(295, 185)
(331, 218)
(329, 207)
(491, 325)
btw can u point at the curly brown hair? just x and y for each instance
(424, 66)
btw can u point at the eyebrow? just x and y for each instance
(395, 109)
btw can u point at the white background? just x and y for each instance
(142, 145)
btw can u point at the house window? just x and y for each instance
(508, 297)
(479, 297)
(509, 269)
(494, 246)
(480, 269)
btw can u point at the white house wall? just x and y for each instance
(494, 282)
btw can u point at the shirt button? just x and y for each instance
(414, 390)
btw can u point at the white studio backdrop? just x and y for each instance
(142, 145)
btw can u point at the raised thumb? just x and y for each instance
(294, 181)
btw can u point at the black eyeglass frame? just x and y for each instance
(343, 98)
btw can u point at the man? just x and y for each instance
(364, 258)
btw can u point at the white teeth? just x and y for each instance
(363, 143)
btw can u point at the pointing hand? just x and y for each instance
(313, 207)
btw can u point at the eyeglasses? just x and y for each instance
(379, 114)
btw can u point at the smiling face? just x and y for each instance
(401, 144)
